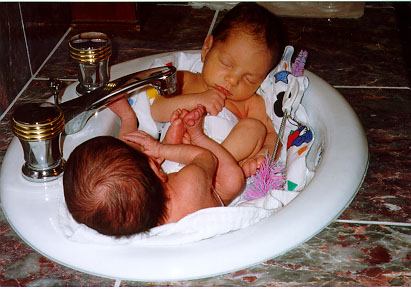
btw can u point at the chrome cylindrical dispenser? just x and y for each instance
(91, 52)
(38, 126)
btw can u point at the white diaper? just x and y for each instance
(218, 127)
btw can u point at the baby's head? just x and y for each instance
(242, 49)
(111, 188)
(256, 21)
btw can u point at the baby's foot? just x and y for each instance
(176, 130)
(193, 121)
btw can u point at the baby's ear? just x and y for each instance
(156, 167)
(208, 43)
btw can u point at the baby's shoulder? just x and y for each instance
(256, 100)
(186, 77)
(188, 73)
(189, 81)
(255, 105)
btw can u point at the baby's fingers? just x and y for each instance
(137, 133)
(214, 109)
(217, 107)
(250, 167)
(137, 137)
(220, 99)
(133, 139)
(260, 160)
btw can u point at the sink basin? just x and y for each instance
(31, 208)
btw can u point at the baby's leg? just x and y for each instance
(176, 130)
(246, 138)
(229, 179)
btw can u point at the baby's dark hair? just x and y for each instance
(251, 18)
(110, 187)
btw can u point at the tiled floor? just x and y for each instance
(364, 59)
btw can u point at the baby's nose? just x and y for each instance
(232, 79)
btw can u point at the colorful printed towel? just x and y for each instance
(283, 91)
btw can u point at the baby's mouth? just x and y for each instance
(223, 90)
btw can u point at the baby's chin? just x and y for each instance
(242, 97)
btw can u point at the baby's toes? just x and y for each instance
(175, 115)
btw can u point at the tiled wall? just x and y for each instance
(28, 33)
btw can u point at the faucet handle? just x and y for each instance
(55, 85)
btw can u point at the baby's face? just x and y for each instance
(236, 66)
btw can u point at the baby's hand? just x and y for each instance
(251, 165)
(213, 100)
(150, 146)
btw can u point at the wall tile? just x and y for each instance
(14, 68)
(44, 24)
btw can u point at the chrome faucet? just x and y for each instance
(39, 126)
(78, 110)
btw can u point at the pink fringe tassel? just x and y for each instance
(270, 176)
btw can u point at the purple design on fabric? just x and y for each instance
(298, 65)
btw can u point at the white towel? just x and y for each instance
(200, 225)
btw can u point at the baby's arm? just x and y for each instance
(195, 158)
(191, 94)
(128, 118)
(181, 153)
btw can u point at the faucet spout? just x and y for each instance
(77, 111)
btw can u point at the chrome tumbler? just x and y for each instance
(91, 52)
(38, 126)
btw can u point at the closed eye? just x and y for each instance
(250, 81)
(225, 63)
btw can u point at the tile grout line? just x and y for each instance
(15, 99)
(213, 22)
(25, 40)
(34, 76)
(373, 87)
(52, 52)
(62, 79)
(399, 224)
